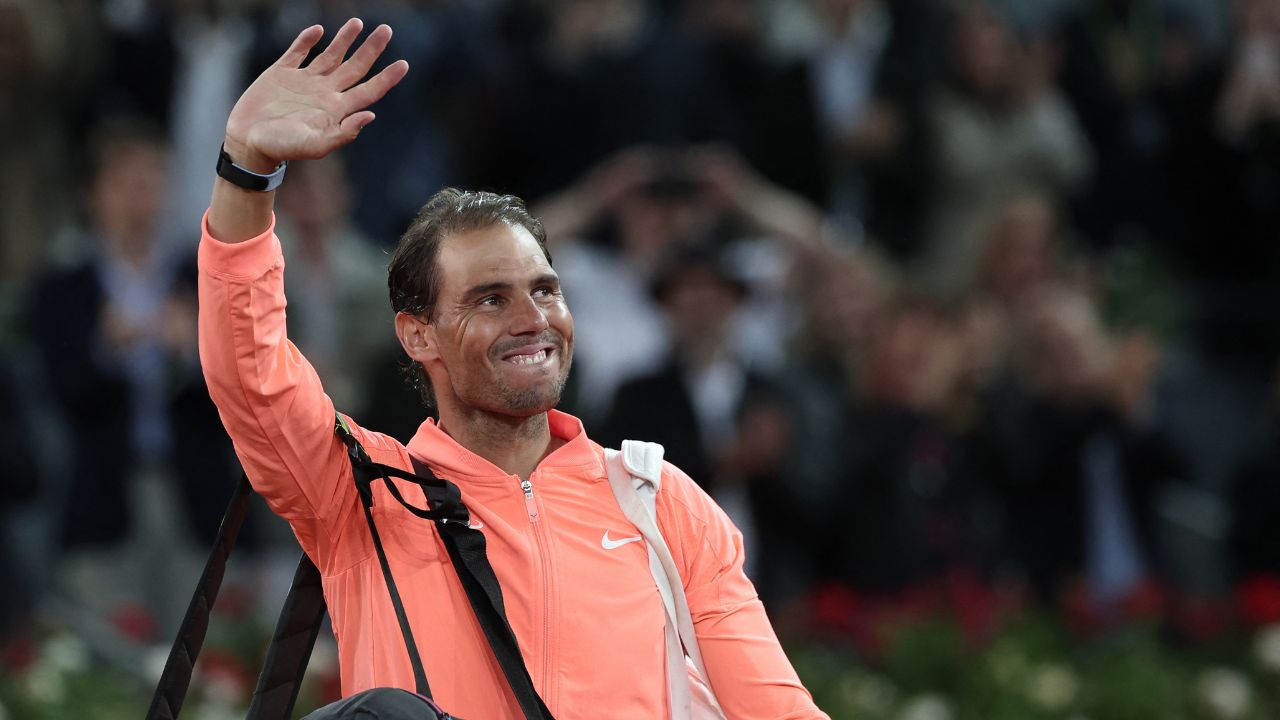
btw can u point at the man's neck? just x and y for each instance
(515, 445)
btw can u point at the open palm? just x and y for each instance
(292, 112)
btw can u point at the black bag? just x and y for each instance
(304, 610)
(380, 704)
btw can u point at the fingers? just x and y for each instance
(369, 92)
(326, 61)
(302, 45)
(351, 125)
(355, 68)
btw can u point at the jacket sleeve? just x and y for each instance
(268, 396)
(748, 670)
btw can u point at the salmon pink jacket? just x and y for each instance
(575, 579)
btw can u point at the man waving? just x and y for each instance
(480, 313)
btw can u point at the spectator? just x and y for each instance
(705, 406)
(650, 203)
(873, 65)
(116, 334)
(46, 51)
(843, 298)
(906, 509)
(1020, 250)
(1120, 61)
(1020, 254)
(1084, 464)
(999, 124)
(845, 68)
(1223, 171)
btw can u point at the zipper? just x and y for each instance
(531, 505)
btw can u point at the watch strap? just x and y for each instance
(249, 180)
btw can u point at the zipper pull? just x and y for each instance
(529, 504)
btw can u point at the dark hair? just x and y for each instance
(413, 277)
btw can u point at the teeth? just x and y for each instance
(530, 359)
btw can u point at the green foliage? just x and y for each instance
(60, 682)
(1030, 667)
(1034, 668)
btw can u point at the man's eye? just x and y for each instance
(491, 300)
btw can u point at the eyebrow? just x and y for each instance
(501, 286)
(485, 289)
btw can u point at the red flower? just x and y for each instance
(834, 609)
(1078, 612)
(235, 602)
(18, 653)
(1201, 619)
(977, 606)
(135, 621)
(1146, 601)
(1259, 599)
(225, 676)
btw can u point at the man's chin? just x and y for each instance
(534, 401)
(535, 398)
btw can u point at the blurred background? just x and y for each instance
(965, 311)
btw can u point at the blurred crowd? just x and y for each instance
(912, 287)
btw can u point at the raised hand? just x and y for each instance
(291, 112)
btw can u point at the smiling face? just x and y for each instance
(500, 337)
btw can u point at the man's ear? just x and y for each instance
(417, 337)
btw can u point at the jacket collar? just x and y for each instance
(578, 455)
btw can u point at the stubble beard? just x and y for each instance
(532, 401)
(537, 399)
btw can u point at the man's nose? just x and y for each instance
(528, 317)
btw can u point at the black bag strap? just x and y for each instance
(304, 607)
(175, 680)
(466, 547)
(467, 551)
(291, 645)
(295, 636)
(406, 632)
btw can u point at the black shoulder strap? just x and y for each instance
(304, 608)
(175, 680)
(291, 645)
(466, 548)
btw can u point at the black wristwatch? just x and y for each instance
(248, 179)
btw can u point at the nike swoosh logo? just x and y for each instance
(609, 544)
